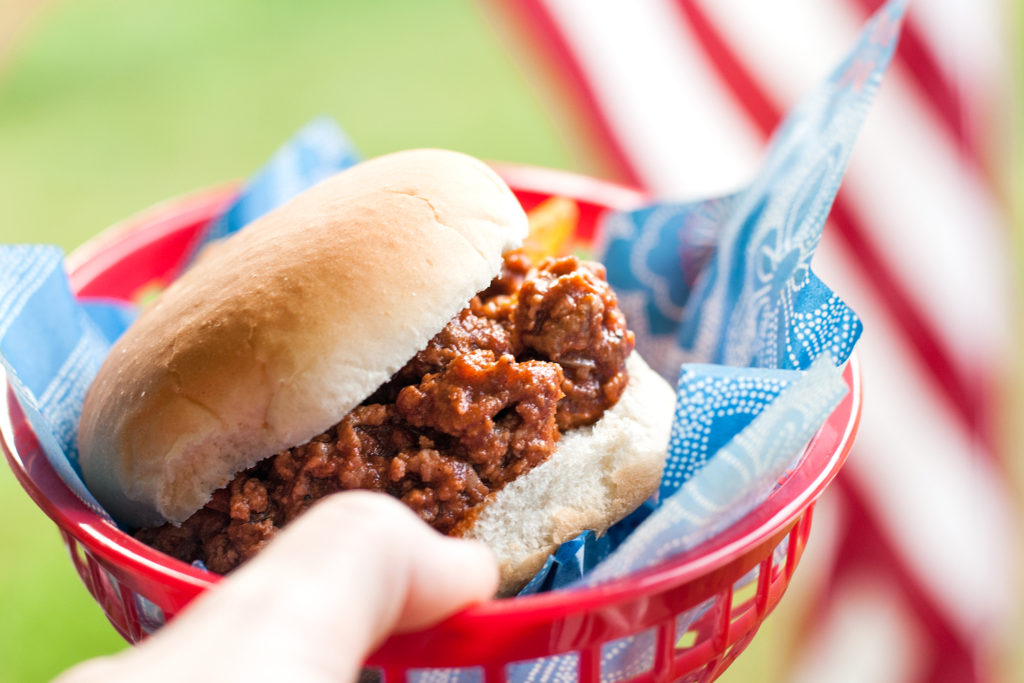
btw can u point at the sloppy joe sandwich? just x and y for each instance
(381, 331)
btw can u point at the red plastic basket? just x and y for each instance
(699, 610)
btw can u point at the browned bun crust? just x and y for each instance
(285, 327)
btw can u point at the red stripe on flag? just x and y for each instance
(905, 316)
(758, 105)
(541, 31)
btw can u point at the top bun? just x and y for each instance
(280, 330)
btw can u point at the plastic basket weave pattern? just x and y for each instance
(693, 614)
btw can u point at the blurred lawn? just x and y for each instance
(110, 105)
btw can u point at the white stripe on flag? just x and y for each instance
(865, 635)
(789, 46)
(937, 226)
(647, 74)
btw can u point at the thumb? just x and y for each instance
(402, 574)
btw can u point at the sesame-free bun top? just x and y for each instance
(277, 332)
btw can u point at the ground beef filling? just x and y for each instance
(541, 350)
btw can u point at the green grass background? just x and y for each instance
(107, 106)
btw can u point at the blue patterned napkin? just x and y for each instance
(724, 283)
(50, 349)
(741, 472)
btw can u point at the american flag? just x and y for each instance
(917, 543)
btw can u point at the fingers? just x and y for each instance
(444, 575)
(318, 599)
(404, 575)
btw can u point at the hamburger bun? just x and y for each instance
(597, 475)
(277, 332)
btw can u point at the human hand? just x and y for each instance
(315, 602)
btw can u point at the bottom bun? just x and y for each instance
(596, 476)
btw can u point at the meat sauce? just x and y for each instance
(540, 351)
